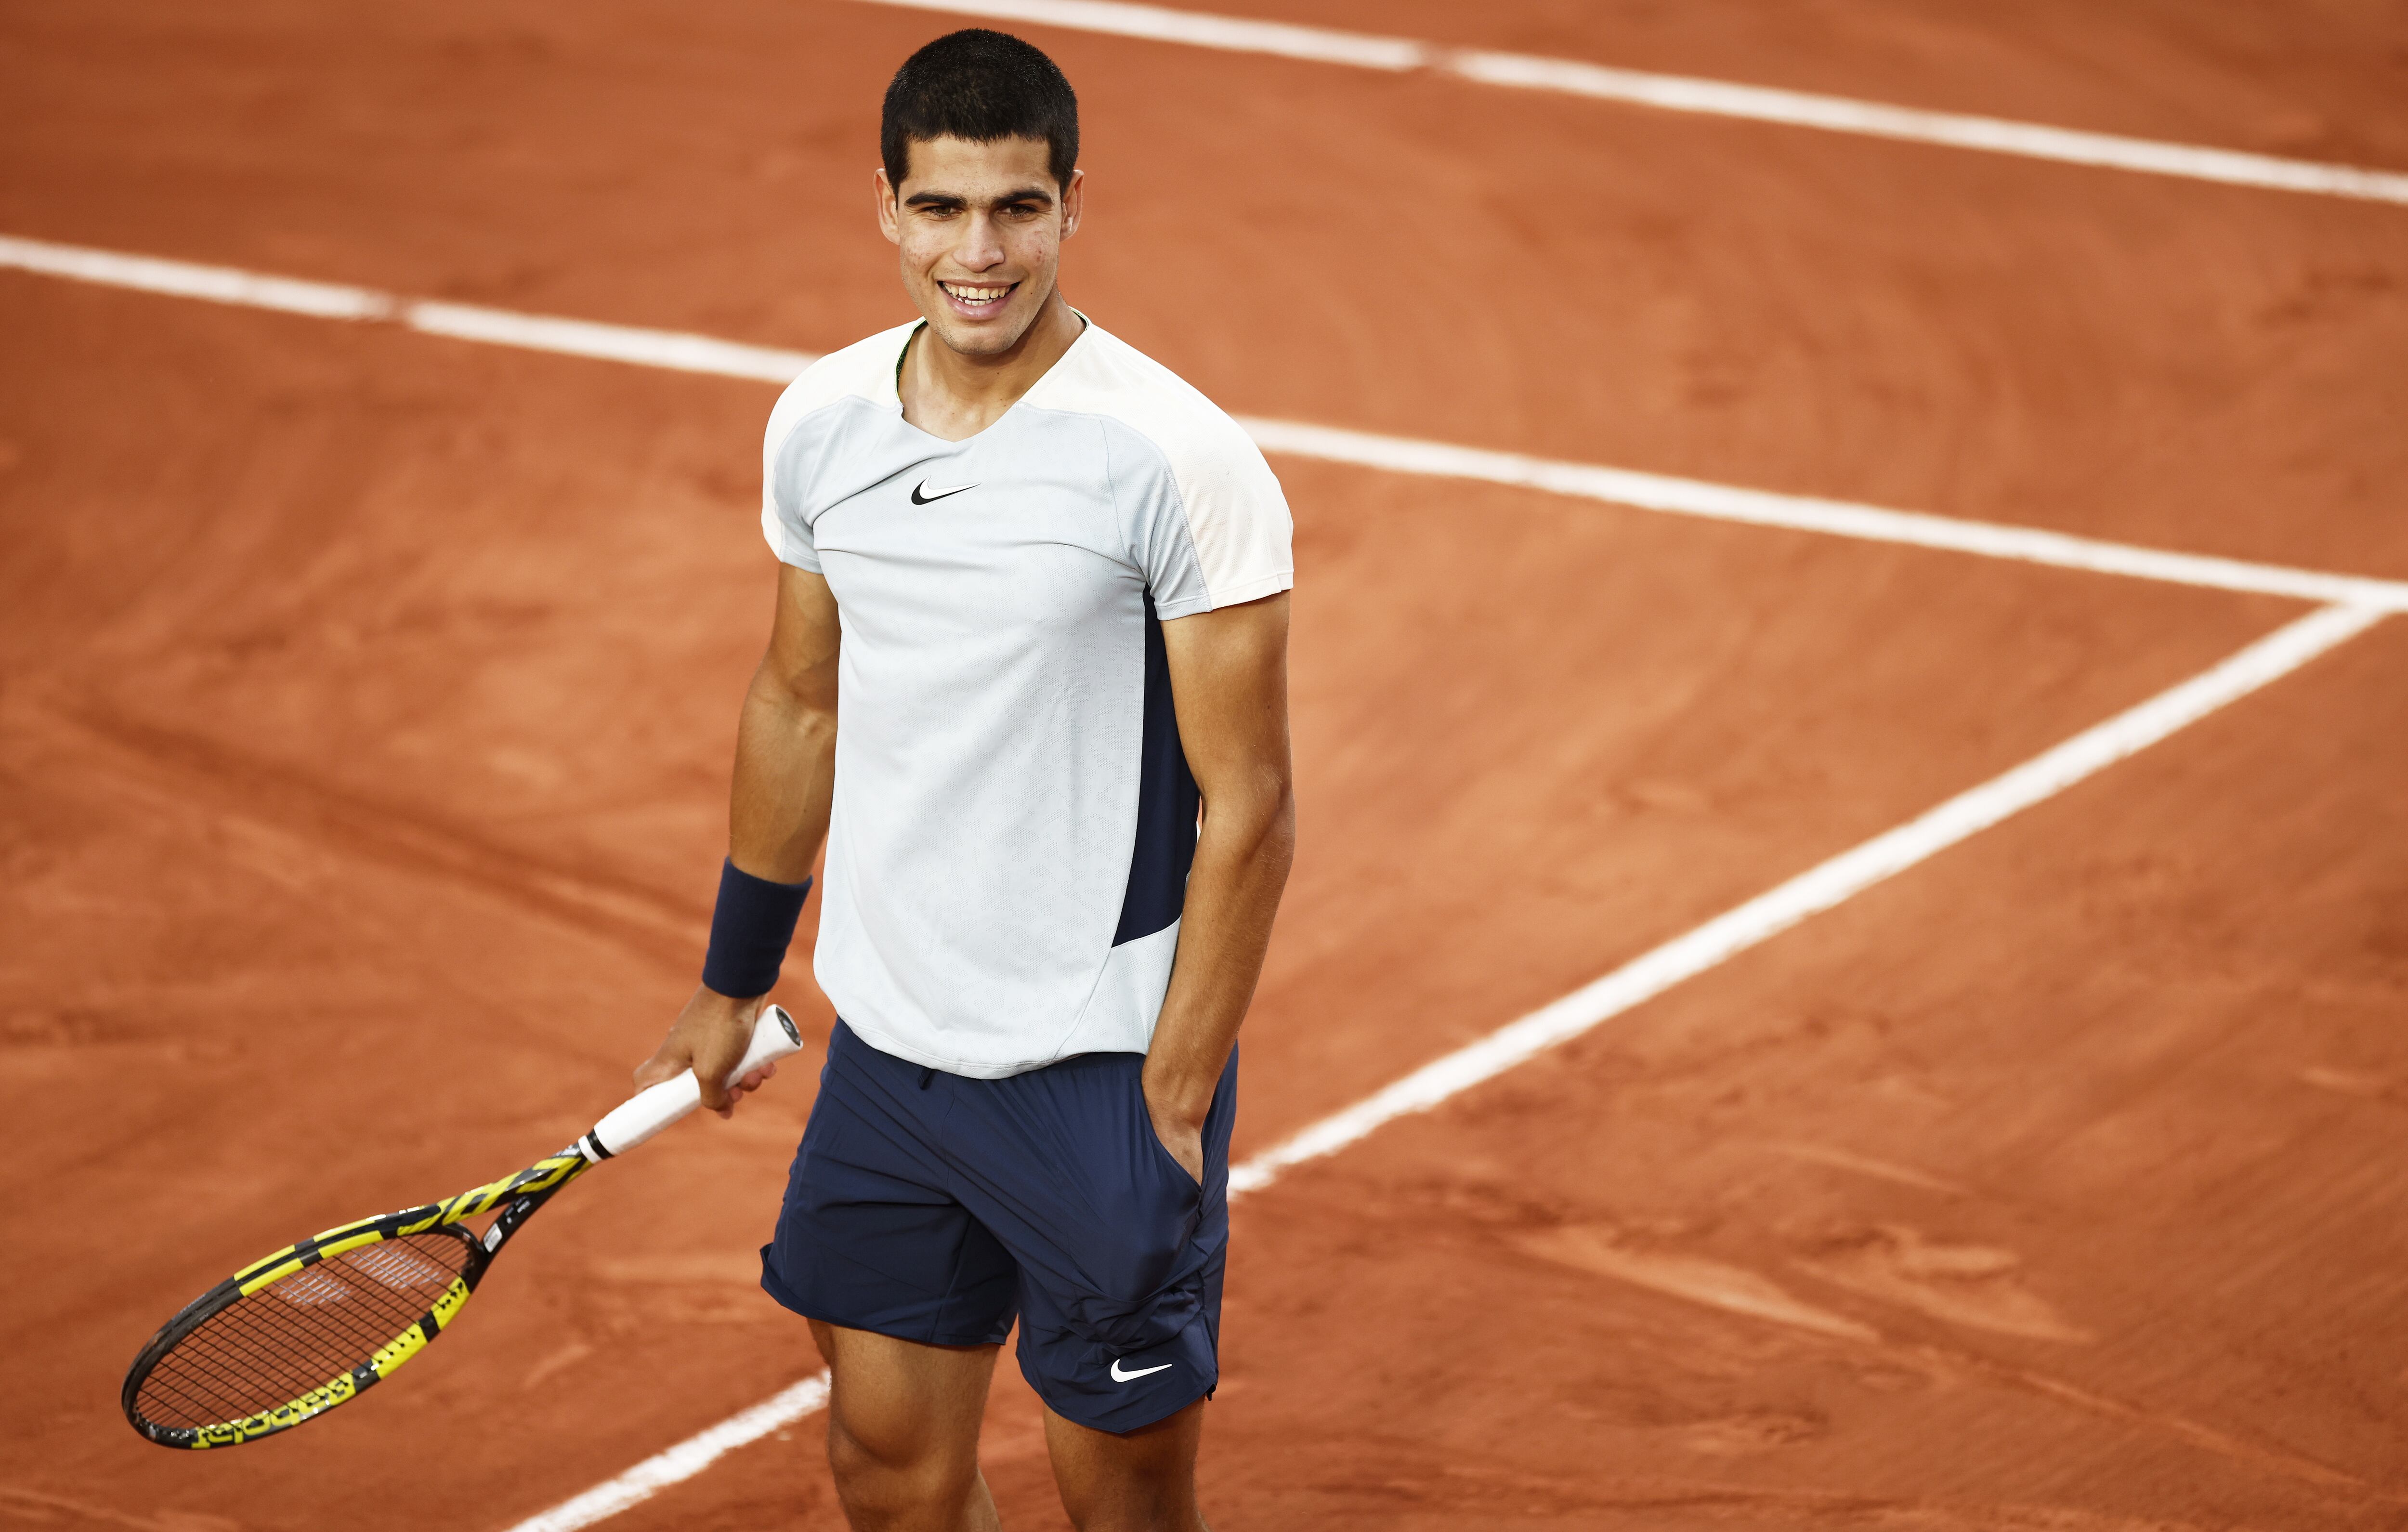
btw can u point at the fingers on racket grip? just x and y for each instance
(649, 1111)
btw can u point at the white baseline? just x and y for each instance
(684, 352)
(460, 321)
(1688, 93)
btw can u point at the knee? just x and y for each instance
(1155, 1493)
(903, 1476)
(1141, 1481)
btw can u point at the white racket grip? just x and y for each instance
(655, 1107)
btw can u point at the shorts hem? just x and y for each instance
(1073, 1413)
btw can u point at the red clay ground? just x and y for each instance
(367, 700)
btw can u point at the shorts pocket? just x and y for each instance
(1153, 1210)
(1128, 1216)
(1164, 1159)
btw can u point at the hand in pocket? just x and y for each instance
(1183, 1141)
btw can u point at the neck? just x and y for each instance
(954, 395)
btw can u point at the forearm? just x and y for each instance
(1243, 854)
(784, 780)
(778, 815)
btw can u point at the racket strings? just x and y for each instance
(302, 1331)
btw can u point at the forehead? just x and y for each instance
(966, 168)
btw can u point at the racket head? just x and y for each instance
(292, 1336)
(318, 1324)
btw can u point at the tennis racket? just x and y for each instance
(318, 1324)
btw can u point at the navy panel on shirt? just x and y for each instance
(1166, 800)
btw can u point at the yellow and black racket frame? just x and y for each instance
(517, 1197)
(514, 1197)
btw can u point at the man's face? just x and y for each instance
(981, 229)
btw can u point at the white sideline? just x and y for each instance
(1687, 94)
(1818, 889)
(681, 1462)
(685, 352)
(1640, 980)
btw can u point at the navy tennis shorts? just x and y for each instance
(937, 1208)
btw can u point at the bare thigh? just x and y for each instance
(903, 1430)
(1141, 1481)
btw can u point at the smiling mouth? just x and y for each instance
(978, 299)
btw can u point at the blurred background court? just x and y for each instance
(367, 695)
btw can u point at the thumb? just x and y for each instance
(667, 1062)
(715, 1057)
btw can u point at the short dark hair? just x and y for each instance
(983, 86)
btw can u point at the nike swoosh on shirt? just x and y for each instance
(1119, 1377)
(921, 496)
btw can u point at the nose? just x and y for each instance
(981, 246)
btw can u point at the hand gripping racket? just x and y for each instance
(289, 1338)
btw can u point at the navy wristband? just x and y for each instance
(750, 928)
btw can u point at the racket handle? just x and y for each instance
(655, 1107)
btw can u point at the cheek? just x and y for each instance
(922, 248)
(1036, 248)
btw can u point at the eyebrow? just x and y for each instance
(951, 199)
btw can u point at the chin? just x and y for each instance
(990, 338)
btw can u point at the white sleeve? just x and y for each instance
(1238, 517)
(782, 492)
(1215, 527)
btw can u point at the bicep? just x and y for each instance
(804, 637)
(1229, 683)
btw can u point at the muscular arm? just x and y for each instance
(1228, 679)
(785, 739)
(776, 815)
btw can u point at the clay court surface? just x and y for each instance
(365, 701)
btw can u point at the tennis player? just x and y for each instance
(1031, 614)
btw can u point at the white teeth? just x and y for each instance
(977, 296)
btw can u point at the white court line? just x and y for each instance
(1818, 889)
(1687, 94)
(459, 320)
(1808, 513)
(1640, 980)
(1393, 454)
(681, 1462)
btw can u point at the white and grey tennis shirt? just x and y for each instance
(1014, 818)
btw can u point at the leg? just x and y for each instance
(1120, 1255)
(1140, 1481)
(871, 1245)
(903, 1430)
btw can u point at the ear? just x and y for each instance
(1074, 202)
(889, 216)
